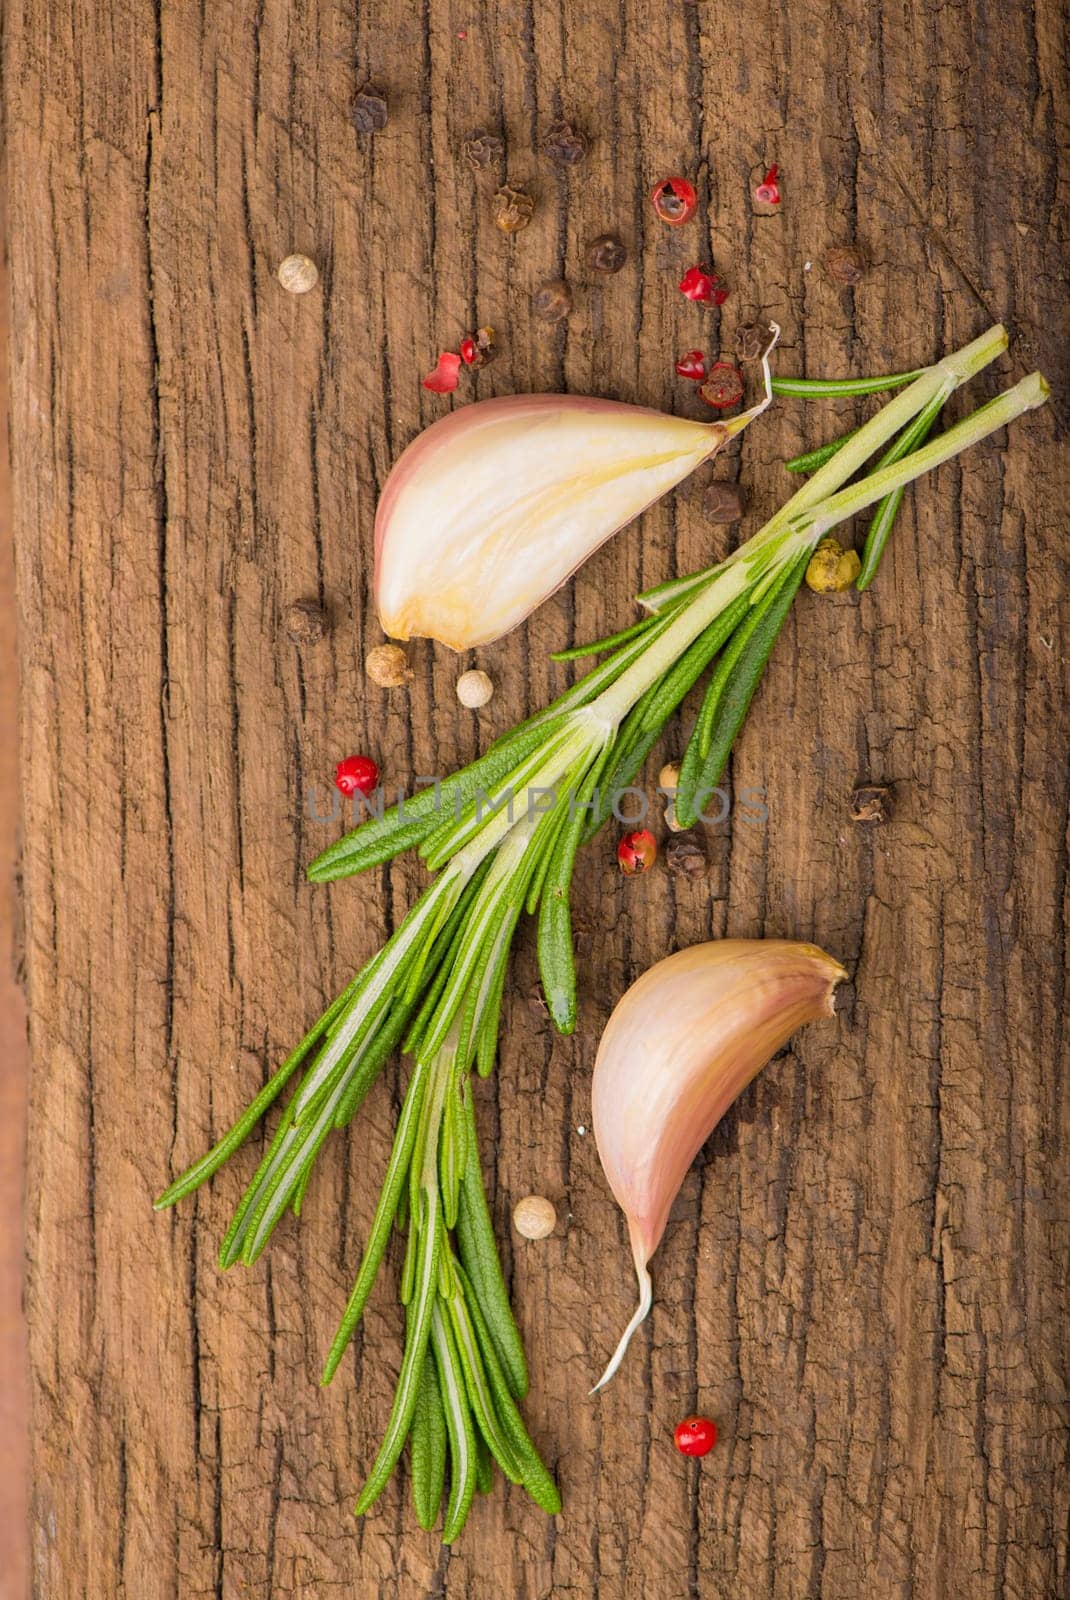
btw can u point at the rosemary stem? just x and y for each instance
(1024, 396)
(813, 509)
(724, 586)
(943, 377)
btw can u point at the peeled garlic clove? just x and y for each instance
(684, 1041)
(493, 507)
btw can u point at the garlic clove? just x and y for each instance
(496, 505)
(681, 1045)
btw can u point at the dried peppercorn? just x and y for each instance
(482, 149)
(845, 264)
(443, 380)
(487, 349)
(637, 852)
(723, 502)
(685, 854)
(695, 1436)
(674, 200)
(704, 285)
(306, 622)
(534, 1217)
(871, 802)
(369, 109)
(552, 300)
(605, 254)
(752, 341)
(388, 666)
(298, 274)
(723, 387)
(512, 209)
(474, 688)
(668, 783)
(692, 364)
(355, 773)
(832, 569)
(767, 193)
(565, 145)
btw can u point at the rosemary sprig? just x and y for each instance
(503, 835)
(827, 388)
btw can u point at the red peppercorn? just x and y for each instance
(469, 351)
(768, 191)
(702, 283)
(723, 387)
(692, 365)
(356, 772)
(674, 200)
(637, 852)
(695, 1436)
(444, 378)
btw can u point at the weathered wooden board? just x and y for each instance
(865, 1278)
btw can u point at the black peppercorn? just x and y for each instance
(724, 502)
(752, 341)
(845, 264)
(482, 149)
(605, 254)
(306, 622)
(552, 301)
(871, 802)
(685, 854)
(565, 145)
(512, 209)
(369, 109)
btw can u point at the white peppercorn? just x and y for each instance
(298, 274)
(534, 1217)
(474, 689)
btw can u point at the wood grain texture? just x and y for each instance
(14, 1059)
(864, 1279)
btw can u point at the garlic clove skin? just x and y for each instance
(681, 1045)
(493, 507)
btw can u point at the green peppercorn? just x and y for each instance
(832, 568)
